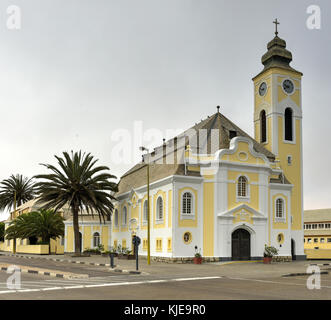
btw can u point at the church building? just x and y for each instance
(217, 190)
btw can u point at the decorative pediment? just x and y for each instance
(243, 212)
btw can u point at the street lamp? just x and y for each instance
(148, 215)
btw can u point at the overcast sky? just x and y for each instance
(78, 70)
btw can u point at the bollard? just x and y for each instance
(112, 260)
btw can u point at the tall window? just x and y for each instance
(263, 126)
(116, 218)
(279, 208)
(145, 216)
(288, 125)
(187, 203)
(96, 239)
(242, 187)
(159, 208)
(124, 217)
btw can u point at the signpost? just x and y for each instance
(136, 242)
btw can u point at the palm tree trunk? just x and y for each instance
(76, 230)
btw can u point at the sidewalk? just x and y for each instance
(248, 269)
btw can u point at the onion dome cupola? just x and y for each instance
(277, 54)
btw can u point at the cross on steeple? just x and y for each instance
(276, 23)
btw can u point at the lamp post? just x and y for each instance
(14, 240)
(148, 215)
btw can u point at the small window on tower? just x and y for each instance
(232, 134)
(289, 160)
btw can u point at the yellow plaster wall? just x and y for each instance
(70, 239)
(187, 222)
(279, 225)
(232, 189)
(238, 156)
(292, 172)
(87, 237)
(104, 236)
(318, 253)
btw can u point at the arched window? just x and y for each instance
(96, 239)
(116, 218)
(124, 217)
(159, 208)
(145, 211)
(263, 126)
(242, 187)
(187, 203)
(279, 208)
(288, 124)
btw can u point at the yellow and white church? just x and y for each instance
(226, 194)
(215, 189)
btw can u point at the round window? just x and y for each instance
(280, 238)
(187, 237)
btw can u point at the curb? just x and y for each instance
(48, 273)
(59, 260)
(320, 264)
(125, 271)
(303, 274)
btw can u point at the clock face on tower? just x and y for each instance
(262, 89)
(288, 86)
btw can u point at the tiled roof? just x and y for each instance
(317, 215)
(216, 124)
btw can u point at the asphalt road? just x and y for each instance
(165, 281)
(132, 287)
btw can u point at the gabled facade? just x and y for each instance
(225, 194)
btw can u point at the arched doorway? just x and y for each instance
(293, 249)
(241, 245)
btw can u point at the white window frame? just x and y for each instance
(248, 193)
(283, 218)
(143, 217)
(116, 218)
(125, 210)
(191, 215)
(158, 219)
(96, 235)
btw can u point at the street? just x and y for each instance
(168, 281)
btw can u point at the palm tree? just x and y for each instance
(2, 231)
(17, 189)
(81, 185)
(14, 191)
(44, 224)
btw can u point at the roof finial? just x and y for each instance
(276, 23)
(218, 109)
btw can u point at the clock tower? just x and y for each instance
(278, 123)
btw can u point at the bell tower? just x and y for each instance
(278, 119)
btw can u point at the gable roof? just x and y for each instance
(216, 131)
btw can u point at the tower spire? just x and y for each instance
(276, 24)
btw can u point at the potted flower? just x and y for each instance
(269, 252)
(197, 257)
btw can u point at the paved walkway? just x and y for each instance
(246, 269)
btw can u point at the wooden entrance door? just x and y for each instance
(241, 245)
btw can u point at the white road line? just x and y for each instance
(111, 284)
(275, 282)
